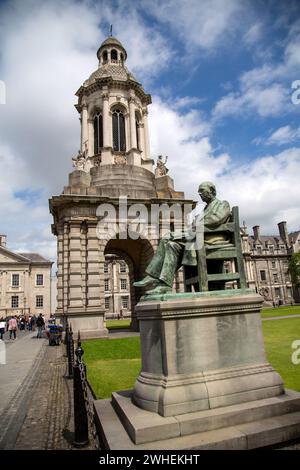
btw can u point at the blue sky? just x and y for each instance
(220, 73)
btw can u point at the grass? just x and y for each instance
(281, 311)
(114, 364)
(116, 324)
(279, 336)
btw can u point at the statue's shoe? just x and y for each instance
(160, 289)
(147, 281)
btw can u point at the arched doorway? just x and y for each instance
(136, 254)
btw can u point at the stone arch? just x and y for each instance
(137, 254)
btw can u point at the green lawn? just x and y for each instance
(279, 335)
(114, 364)
(281, 311)
(116, 324)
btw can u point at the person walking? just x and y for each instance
(2, 327)
(40, 323)
(12, 327)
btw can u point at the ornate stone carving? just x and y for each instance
(161, 169)
(120, 159)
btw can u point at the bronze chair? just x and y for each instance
(210, 273)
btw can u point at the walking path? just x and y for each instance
(283, 317)
(36, 398)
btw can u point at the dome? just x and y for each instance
(111, 42)
(115, 71)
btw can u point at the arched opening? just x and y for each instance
(118, 128)
(104, 57)
(114, 55)
(98, 133)
(135, 255)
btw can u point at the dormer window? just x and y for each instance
(98, 133)
(114, 55)
(118, 125)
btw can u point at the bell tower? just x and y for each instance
(113, 109)
(113, 164)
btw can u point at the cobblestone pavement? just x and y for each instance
(48, 421)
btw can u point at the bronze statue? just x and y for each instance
(179, 248)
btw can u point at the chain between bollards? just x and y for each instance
(80, 411)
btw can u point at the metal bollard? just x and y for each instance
(70, 352)
(80, 413)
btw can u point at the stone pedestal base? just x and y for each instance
(259, 423)
(205, 382)
(202, 351)
(90, 326)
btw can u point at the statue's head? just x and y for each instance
(207, 191)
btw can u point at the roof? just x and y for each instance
(293, 237)
(111, 41)
(270, 239)
(35, 257)
(115, 71)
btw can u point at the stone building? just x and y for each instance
(25, 283)
(113, 180)
(116, 287)
(266, 263)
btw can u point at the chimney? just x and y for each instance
(3, 240)
(283, 232)
(256, 232)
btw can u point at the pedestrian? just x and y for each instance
(40, 323)
(2, 327)
(12, 327)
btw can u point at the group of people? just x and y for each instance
(22, 323)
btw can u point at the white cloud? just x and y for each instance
(202, 24)
(284, 135)
(269, 101)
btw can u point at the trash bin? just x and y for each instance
(54, 334)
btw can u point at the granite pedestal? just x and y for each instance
(203, 368)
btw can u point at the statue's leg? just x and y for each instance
(173, 250)
(155, 266)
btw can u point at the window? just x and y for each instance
(282, 248)
(273, 264)
(114, 55)
(15, 301)
(123, 284)
(122, 268)
(263, 276)
(105, 268)
(118, 122)
(271, 249)
(277, 291)
(104, 56)
(39, 279)
(39, 301)
(106, 284)
(289, 291)
(258, 249)
(125, 301)
(15, 280)
(275, 277)
(98, 133)
(107, 302)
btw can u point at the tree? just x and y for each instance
(294, 268)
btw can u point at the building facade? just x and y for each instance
(117, 281)
(266, 260)
(25, 283)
